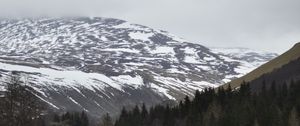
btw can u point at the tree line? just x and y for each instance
(273, 106)
(19, 106)
(70, 119)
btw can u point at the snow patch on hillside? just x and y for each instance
(141, 35)
(64, 78)
(136, 81)
(191, 59)
(162, 91)
(120, 50)
(163, 50)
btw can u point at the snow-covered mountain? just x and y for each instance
(101, 64)
(248, 59)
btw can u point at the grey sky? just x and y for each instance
(271, 25)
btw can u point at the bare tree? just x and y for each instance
(20, 105)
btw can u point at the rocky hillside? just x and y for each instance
(101, 64)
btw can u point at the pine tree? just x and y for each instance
(56, 118)
(264, 88)
(84, 119)
(144, 114)
(124, 118)
(187, 105)
(255, 123)
(273, 91)
(294, 118)
(106, 120)
(2, 111)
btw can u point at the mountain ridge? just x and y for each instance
(101, 64)
(287, 57)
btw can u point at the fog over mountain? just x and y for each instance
(227, 23)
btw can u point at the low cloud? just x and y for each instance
(271, 25)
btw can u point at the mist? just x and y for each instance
(269, 25)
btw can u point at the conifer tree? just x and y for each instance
(84, 119)
(240, 107)
(106, 120)
(256, 123)
(294, 118)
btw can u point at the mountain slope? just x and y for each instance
(284, 75)
(272, 66)
(101, 64)
(247, 58)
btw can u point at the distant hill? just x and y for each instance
(281, 69)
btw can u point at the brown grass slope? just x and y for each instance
(290, 55)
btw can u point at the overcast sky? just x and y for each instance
(271, 25)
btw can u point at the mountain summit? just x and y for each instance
(284, 67)
(101, 64)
